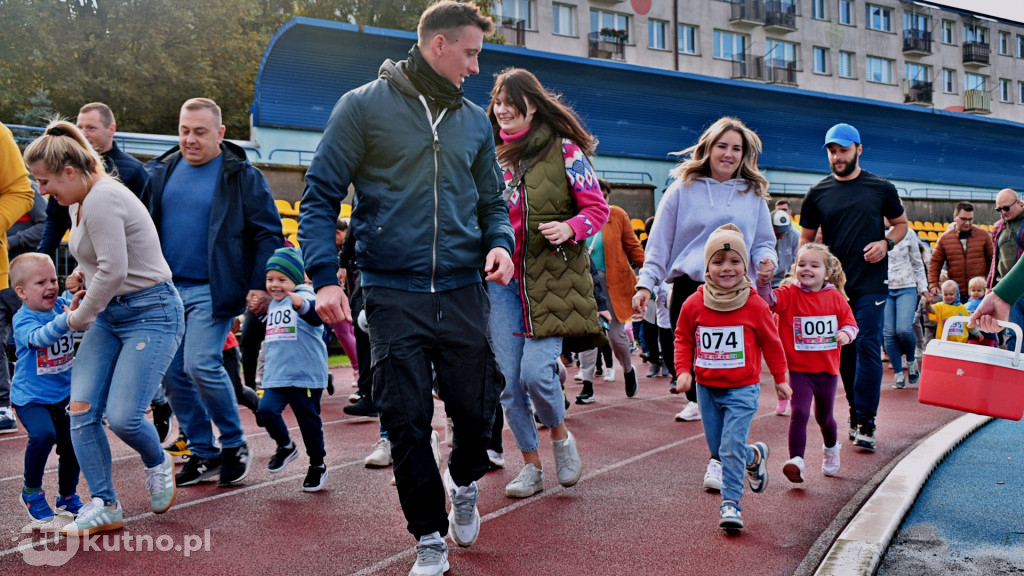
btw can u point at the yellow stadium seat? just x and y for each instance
(289, 226)
(927, 226)
(933, 235)
(917, 225)
(643, 236)
(285, 208)
(922, 234)
(346, 211)
(297, 203)
(933, 245)
(66, 236)
(637, 223)
(796, 219)
(294, 240)
(941, 227)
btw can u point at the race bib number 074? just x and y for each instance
(720, 347)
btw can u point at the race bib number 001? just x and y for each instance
(814, 333)
(282, 324)
(56, 358)
(720, 347)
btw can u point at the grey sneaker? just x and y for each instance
(431, 556)
(757, 473)
(899, 381)
(529, 481)
(95, 517)
(160, 484)
(464, 519)
(913, 372)
(567, 461)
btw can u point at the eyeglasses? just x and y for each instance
(1004, 208)
(962, 219)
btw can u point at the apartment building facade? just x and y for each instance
(913, 52)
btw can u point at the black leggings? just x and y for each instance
(682, 288)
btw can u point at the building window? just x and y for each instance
(1004, 43)
(947, 31)
(779, 54)
(602, 20)
(730, 46)
(916, 22)
(1004, 90)
(975, 34)
(818, 10)
(509, 11)
(917, 73)
(846, 65)
(878, 70)
(1020, 46)
(846, 12)
(820, 60)
(974, 81)
(949, 81)
(656, 34)
(879, 18)
(564, 19)
(1020, 92)
(687, 39)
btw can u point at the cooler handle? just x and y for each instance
(965, 319)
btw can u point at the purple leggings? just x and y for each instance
(346, 335)
(821, 387)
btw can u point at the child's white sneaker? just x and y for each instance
(830, 465)
(793, 469)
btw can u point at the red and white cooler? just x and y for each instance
(978, 379)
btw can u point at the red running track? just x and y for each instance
(639, 508)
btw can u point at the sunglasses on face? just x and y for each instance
(1004, 208)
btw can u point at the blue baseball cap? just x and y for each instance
(842, 134)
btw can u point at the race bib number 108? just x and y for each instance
(720, 347)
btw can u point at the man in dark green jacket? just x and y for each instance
(430, 225)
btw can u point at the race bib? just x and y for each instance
(282, 324)
(56, 358)
(956, 329)
(815, 333)
(720, 347)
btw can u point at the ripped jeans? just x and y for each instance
(119, 364)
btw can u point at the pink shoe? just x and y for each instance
(783, 408)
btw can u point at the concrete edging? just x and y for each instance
(860, 546)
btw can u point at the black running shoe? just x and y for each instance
(316, 477)
(631, 386)
(282, 458)
(362, 407)
(197, 470)
(330, 384)
(162, 420)
(235, 465)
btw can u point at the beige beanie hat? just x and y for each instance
(727, 237)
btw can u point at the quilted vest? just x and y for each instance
(558, 286)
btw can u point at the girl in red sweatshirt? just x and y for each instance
(722, 332)
(814, 320)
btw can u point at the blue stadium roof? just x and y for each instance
(640, 112)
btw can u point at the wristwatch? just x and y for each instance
(889, 244)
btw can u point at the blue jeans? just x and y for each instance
(118, 367)
(860, 364)
(727, 414)
(1017, 317)
(898, 332)
(529, 366)
(196, 383)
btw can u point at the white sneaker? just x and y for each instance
(793, 469)
(690, 413)
(609, 374)
(497, 459)
(381, 455)
(567, 461)
(435, 447)
(449, 432)
(529, 481)
(830, 465)
(579, 376)
(464, 518)
(431, 556)
(713, 476)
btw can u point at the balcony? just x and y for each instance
(760, 69)
(513, 31)
(779, 16)
(607, 47)
(976, 54)
(747, 13)
(917, 42)
(977, 101)
(917, 92)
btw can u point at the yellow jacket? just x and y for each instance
(16, 194)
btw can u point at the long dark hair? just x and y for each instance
(520, 86)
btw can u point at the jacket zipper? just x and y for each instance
(437, 147)
(524, 299)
